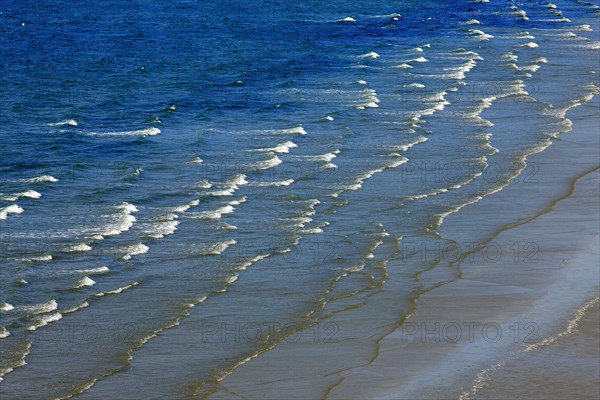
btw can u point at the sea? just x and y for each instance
(187, 185)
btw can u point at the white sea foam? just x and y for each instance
(530, 45)
(370, 54)
(32, 194)
(118, 290)
(196, 160)
(41, 308)
(6, 307)
(135, 173)
(522, 14)
(91, 271)
(472, 21)
(215, 249)
(481, 35)
(244, 265)
(321, 157)
(68, 122)
(295, 130)
(167, 225)
(405, 147)
(119, 222)
(361, 82)
(78, 248)
(460, 71)
(134, 250)
(329, 118)
(151, 131)
(85, 281)
(403, 65)
(356, 267)
(530, 68)
(38, 179)
(280, 148)
(270, 163)
(4, 333)
(44, 320)
(419, 59)
(12, 209)
(396, 162)
(214, 214)
(428, 194)
(203, 184)
(74, 308)
(346, 19)
(184, 207)
(285, 182)
(316, 229)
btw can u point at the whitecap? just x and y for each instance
(160, 229)
(271, 162)
(285, 182)
(85, 281)
(44, 320)
(203, 184)
(77, 248)
(480, 34)
(12, 209)
(91, 271)
(295, 130)
(118, 290)
(42, 308)
(280, 148)
(214, 214)
(214, 249)
(184, 207)
(74, 308)
(134, 250)
(151, 131)
(68, 122)
(120, 222)
(32, 194)
(38, 179)
(4, 333)
(370, 54)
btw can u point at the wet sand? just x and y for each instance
(567, 368)
(464, 335)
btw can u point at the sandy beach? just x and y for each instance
(470, 337)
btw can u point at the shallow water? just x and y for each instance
(184, 186)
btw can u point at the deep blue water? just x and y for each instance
(259, 161)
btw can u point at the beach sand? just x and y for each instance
(565, 369)
(469, 337)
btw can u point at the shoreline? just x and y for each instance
(516, 296)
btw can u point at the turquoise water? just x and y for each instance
(171, 171)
